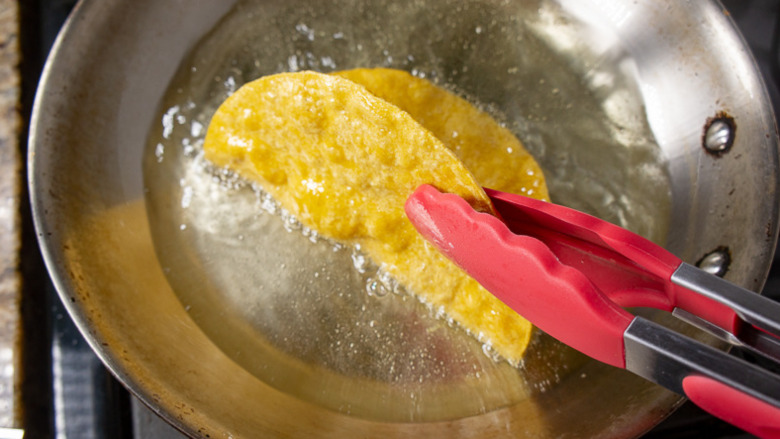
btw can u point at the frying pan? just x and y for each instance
(650, 114)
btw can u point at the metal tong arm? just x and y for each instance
(732, 389)
(759, 327)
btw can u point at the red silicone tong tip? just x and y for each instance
(523, 273)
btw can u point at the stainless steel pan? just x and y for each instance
(650, 114)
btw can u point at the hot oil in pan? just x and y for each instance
(314, 319)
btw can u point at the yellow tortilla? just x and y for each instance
(343, 162)
(491, 152)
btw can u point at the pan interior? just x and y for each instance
(315, 319)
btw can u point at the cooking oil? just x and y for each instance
(316, 319)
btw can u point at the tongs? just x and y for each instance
(573, 276)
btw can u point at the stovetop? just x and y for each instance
(68, 393)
